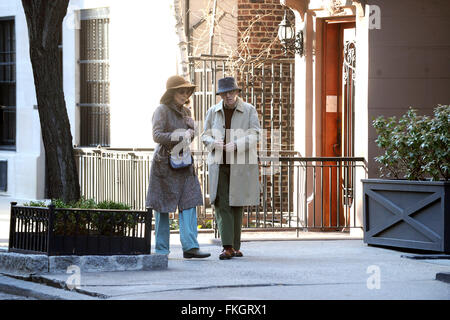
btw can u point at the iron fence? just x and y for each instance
(267, 84)
(318, 195)
(297, 193)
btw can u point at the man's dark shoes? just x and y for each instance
(226, 254)
(237, 253)
(195, 253)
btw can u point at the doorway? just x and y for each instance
(338, 47)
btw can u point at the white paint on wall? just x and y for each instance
(143, 47)
(143, 56)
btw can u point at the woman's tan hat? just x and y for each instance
(176, 82)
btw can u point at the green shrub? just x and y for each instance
(40, 204)
(415, 147)
(79, 222)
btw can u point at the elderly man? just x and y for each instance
(231, 134)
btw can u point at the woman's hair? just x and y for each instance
(168, 98)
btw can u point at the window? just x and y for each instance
(3, 176)
(94, 78)
(7, 85)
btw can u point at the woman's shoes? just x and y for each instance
(195, 253)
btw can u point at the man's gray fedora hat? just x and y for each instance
(227, 84)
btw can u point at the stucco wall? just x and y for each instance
(26, 164)
(143, 46)
(409, 61)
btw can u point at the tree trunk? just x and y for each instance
(182, 44)
(44, 19)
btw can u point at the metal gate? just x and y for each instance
(269, 86)
(349, 76)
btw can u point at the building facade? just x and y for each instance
(116, 57)
(364, 59)
(360, 59)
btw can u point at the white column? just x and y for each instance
(361, 111)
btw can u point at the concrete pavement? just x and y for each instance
(279, 270)
(283, 267)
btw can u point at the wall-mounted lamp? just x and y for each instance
(290, 40)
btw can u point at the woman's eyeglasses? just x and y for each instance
(184, 91)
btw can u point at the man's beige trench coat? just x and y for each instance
(244, 172)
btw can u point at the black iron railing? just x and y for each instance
(55, 231)
(267, 84)
(297, 193)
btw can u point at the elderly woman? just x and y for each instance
(170, 188)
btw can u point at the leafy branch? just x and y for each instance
(415, 147)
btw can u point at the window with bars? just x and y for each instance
(94, 78)
(7, 84)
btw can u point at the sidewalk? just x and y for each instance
(275, 265)
(286, 270)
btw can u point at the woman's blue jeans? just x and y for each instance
(188, 230)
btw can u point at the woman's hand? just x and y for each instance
(190, 122)
(189, 134)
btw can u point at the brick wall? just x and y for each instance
(273, 89)
(260, 20)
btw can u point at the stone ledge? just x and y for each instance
(23, 263)
(58, 264)
(36, 264)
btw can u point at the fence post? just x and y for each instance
(12, 227)
(148, 230)
(50, 234)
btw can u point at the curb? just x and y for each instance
(28, 289)
(60, 264)
(26, 293)
(61, 286)
(39, 264)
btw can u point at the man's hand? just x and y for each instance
(218, 144)
(230, 147)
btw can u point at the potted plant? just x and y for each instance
(410, 206)
(81, 228)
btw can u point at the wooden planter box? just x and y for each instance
(407, 214)
(79, 231)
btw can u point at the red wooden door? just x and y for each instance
(334, 120)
